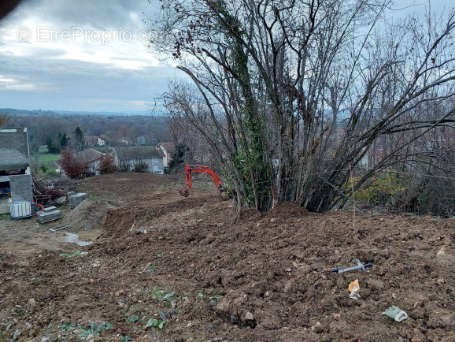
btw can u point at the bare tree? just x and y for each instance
(293, 94)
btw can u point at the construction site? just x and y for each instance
(136, 261)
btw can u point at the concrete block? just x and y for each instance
(49, 216)
(4, 206)
(76, 199)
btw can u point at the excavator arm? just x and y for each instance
(189, 169)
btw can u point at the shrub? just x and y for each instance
(124, 166)
(72, 167)
(381, 191)
(107, 165)
(178, 157)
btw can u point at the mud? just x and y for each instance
(264, 278)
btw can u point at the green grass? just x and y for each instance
(45, 163)
(47, 158)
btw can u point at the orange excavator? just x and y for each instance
(190, 169)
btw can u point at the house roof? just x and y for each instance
(89, 155)
(12, 159)
(137, 152)
(14, 138)
(168, 146)
(91, 139)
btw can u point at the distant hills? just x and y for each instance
(37, 112)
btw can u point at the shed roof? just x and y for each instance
(137, 152)
(12, 159)
(15, 139)
(168, 146)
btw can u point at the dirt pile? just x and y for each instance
(88, 215)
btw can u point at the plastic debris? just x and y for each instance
(358, 267)
(395, 313)
(354, 288)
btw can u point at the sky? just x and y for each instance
(93, 55)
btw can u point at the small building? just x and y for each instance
(92, 158)
(15, 178)
(168, 150)
(124, 141)
(128, 158)
(91, 140)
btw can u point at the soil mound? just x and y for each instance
(183, 264)
(88, 215)
(288, 209)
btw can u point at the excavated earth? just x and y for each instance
(203, 277)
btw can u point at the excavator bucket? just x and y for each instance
(184, 192)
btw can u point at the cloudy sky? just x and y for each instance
(92, 55)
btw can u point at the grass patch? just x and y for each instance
(45, 163)
(47, 158)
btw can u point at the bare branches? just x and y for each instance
(294, 93)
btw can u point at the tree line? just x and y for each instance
(58, 130)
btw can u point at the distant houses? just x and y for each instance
(91, 140)
(92, 158)
(139, 158)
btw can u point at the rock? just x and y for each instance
(138, 307)
(247, 319)
(76, 199)
(223, 306)
(341, 282)
(445, 258)
(317, 328)
(289, 286)
(32, 302)
(61, 200)
(418, 336)
(270, 321)
(16, 335)
(375, 284)
(441, 319)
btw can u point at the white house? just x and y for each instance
(94, 141)
(128, 157)
(167, 149)
(92, 158)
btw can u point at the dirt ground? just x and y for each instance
(167, 268)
